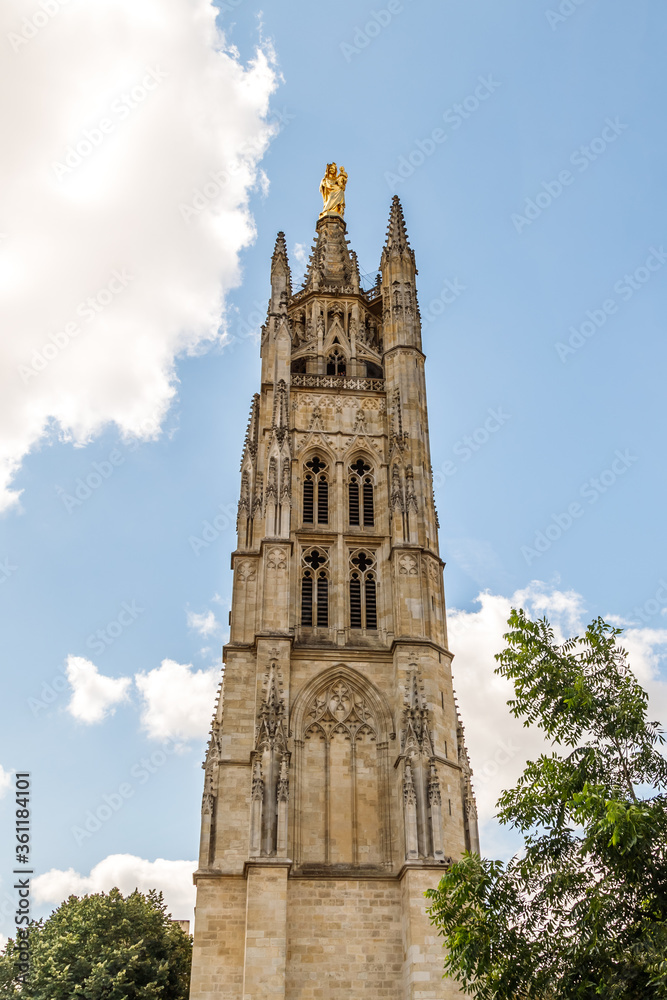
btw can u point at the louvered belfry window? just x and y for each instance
(353, 493)
(322, 500)
(369, 519)
(322, 600)
(363, 590)
(308, 498)
(315, 588)
(371, 604)
(355, 600)
(316, 492)
(360, 495)
(307, 598)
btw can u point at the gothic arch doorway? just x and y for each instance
(341, 726)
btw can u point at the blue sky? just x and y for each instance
(527, 145)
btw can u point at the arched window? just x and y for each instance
(315, 589)
(373, 370)
(298, 366)
(336, 364)
(363, 590)
(340, 817)
(360, 495)
(315, 492)
(307, 598)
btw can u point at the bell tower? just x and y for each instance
(337, 784)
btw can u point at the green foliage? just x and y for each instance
(581, 912)
(103, 947)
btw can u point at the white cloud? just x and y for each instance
(126, 872)
(178, 701)
(299, 261)
(158, 132)
(205, 623)
(498, 744)
(3, 942)
(5, 781)
(93, 695)
(647, 649)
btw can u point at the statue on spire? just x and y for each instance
(332, 189)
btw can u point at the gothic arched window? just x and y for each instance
(360, 495)
(363, 590)
(315, 589)
(315, 492)
(336, 364)
(373, 370)
(341, 817)
(298, 366)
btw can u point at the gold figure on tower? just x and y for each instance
(332, 189)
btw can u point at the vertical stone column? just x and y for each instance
(435, 804)
(283, 801)
(256, 809)
(410, 806)
(265, 932)
(424, 956)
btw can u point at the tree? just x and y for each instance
(581, 912)
(102, 947)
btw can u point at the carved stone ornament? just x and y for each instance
(271, 733)
(396, 490)
(246, 570)
(259, 492)
(415, 731)
(410, 496)
(257, 780)
(407, 565)
(210, 765)
(409, 793)
(286, 482)
(271, 495)
(276, 558)
(244, 500)
(283, 781)
(340, 709)
(433, 786)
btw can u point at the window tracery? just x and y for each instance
(316, 492)
(315, 588)
(336, 363)
(363, 590)
(361, 504)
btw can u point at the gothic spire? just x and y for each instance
(252, 431)
(331, 263)
(281, 276)
(280, 251)
(397, 242)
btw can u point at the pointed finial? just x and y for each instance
(281, 276)
(397, 237)
(280, 250)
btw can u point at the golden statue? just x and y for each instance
(332, 190)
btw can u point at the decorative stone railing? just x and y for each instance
(337, 382)
(366, 293)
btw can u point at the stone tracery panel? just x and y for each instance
(339, 708)
(341, 751)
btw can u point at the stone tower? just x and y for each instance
(337, 784)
